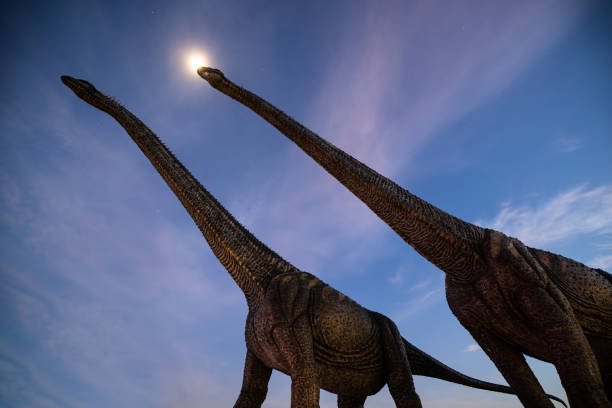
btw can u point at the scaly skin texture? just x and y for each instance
(513, 299)
(296, 323)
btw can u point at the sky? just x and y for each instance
(497, 112)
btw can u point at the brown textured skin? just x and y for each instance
(296, 323)
(513, 299)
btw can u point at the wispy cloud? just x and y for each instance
(568, 144)
(568, 214)
(396, 279)
(384, 100)
(471, 347)
(419, 303)
(602, 262)
(419, 285)
(310, 219)
(421, 295)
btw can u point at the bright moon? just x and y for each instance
(196, 61)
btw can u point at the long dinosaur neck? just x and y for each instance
(446, 241)
(250, 263)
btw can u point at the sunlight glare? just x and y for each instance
(195, 61)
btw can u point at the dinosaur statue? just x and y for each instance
(513, 299)
(296, 323)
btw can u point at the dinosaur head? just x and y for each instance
(212, 75)
(88, 92)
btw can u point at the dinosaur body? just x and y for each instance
(296, 323)
(513, 299)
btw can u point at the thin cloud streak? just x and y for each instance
(569, 214)
(423, 89)
(602, 262)
(419, 303)
(569, 145)
(419, 285)
(397, 279)
(471, 348)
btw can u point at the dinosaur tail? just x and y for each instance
(423, 364)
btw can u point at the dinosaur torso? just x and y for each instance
(486, 304)
(346, 337)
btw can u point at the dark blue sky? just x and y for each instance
(497, 112)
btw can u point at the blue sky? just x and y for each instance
(497, 112)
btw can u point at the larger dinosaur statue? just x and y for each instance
(513, 299)
(296, 323)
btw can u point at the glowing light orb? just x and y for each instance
(195, 61)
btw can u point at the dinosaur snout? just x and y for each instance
(212, 75)
(68, 81)
(77, 85)
(83, 89)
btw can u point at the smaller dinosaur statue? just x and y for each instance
(513, 299)
(296, 323)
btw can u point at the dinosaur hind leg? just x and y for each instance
(399, 375)
(345, 401)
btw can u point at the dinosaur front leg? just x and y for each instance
(295, 346)
(399, 374)
(569, 349)
(512, 365)
(543, 315)
(345, 401)
(578, 369)
(548, 311)
(254, 383)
